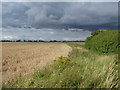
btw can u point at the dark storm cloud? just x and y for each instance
(0, 21)
(56, 21)
(88, 16)
(13, 15)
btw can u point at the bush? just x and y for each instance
(62, 59)
(103, 41)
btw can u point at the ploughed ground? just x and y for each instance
(22, 58)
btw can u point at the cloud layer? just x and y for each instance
(44, 34)
(58, 16)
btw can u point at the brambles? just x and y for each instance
(103, 41)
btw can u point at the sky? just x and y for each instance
(56, 20)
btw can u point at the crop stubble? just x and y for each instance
(21, 58)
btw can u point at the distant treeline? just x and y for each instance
(39, 41)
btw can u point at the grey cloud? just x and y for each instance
(60, 21)
(61, 15)
(44, 34)
(13, 14)
(45, 15)
(91, 14)
(0, 21)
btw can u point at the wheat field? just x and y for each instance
(22, 58)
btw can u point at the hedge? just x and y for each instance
(104, 41)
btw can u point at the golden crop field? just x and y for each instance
(22, 58)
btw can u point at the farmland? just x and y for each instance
(22, 58)
(81, 68)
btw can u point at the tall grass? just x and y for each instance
(86, 69)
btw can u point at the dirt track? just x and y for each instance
(25, 58)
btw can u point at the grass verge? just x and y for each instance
(83, 69)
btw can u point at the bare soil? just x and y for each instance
(22, 58)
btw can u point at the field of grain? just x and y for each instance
(24, 58)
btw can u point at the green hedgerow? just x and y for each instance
(104, 41)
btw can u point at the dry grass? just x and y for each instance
(25, 58)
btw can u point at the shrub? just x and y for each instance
(103, 41)
(62, 59)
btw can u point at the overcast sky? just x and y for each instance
(57, 21)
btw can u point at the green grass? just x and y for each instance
(86, 69)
